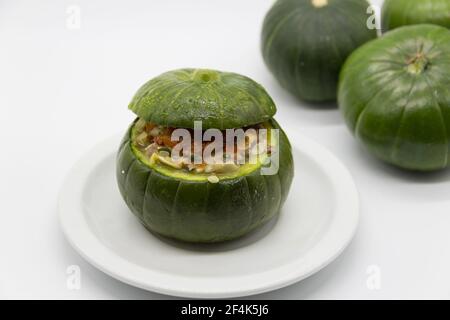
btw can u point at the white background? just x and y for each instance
(63, 90)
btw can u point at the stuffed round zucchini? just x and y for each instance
(305, 43)
(394, 93)
(188, 197)
(397, 13)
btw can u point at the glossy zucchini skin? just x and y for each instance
(305, 46)
(200, 211)
(397, 13)
(220, 100)
(394, 93)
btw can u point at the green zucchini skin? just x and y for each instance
(397, 13)
(221, 100)
(200, 211)
(398, 105)
(305, 46)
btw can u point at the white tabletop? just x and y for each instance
(65, 84)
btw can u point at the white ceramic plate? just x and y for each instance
(315, 225)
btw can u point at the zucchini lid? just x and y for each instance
(221, 100)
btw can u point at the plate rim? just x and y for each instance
(86, 244)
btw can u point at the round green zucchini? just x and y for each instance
(306, 42)
(200, 211)
(397, 13)
(394, 93)
(183, 205)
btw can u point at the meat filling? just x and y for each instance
(156, 144)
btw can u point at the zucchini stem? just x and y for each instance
(417, 64)
(319, 3)
(205, 75)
